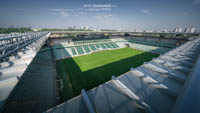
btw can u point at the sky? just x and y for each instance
(107, 14)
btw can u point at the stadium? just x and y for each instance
(98, 72)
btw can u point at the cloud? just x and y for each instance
(99, 7)
(68, 12)
(61, 12)
(109, 21)
(105, 17)
(146, 11)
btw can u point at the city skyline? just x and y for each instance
(108, 14)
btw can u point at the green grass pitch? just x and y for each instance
(89, 71)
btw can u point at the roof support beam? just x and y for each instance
(87, 101)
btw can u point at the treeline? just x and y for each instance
(54, 29)
(10, 30)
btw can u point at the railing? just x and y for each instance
(9, 45)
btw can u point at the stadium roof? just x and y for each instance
(18, 52)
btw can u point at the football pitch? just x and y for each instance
(89, 71)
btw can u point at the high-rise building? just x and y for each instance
(180, 30)
(176, 30)
(193, 30)
(187, 30)
(165, 31)
(190, 30)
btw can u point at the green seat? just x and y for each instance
(73, 51)
(79, 50)
(103, 46)
(109, 46)
(113, 45)
(87, 49)
(98, 46)
(92, 47)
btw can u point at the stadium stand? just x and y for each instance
(79, 50)
(73, 51)
(91, 41)
(113, 45)
(87, 49)
(103, 46)
(97, 46)
(92, 47)
(61, 53)
(91, 38)
(149, 48)
(57, 42)
(83, 47)
(152, 87)
(148, 41)
(57, 53)
(63, 50)
(89, 46)
(107, 44)
(68, 50)
(152, 43)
